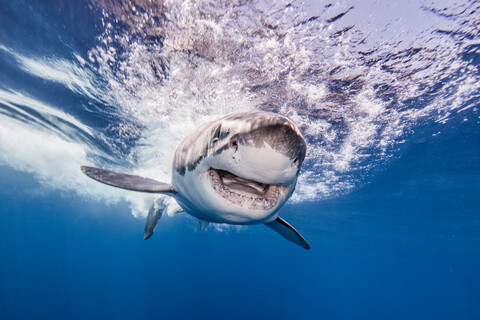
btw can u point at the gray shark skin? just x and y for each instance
(239, 169)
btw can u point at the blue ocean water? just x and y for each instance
(387, 97)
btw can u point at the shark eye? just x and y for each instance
(234, 144)
(296, 161)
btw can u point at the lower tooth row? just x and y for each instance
(236, 198)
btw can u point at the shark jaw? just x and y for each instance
(245, 193)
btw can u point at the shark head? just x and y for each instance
(239, 169)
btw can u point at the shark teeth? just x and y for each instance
(245, 193)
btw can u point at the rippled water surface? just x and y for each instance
(385, 93)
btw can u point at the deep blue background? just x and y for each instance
(405, 245)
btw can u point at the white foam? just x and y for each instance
(16, 100)
(223, 57)
(54, 159)
(369, 128)
(79, 79)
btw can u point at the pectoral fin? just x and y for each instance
(154, 214)
(127, 181)
(288, 232)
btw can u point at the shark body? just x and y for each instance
(239, 169)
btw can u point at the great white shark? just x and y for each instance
(239, 170)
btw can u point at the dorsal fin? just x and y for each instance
(127, 181)
(287, 231)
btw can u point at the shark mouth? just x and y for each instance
(245, 193)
